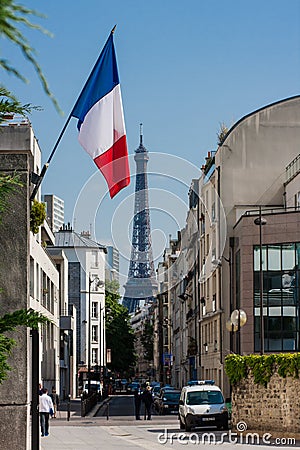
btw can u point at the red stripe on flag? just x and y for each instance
(114, 166)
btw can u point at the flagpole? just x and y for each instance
(46, 165)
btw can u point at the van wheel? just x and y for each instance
(187, 427)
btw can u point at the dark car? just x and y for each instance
(168, 401)
(131, 387)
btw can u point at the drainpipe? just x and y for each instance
(219, 271)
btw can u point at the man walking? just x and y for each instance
(45, 408)
(55, 400)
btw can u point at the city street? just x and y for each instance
(120, 429)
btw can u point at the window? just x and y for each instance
(31, 285)
(94, 355)
(94, 310)
(94, 258)
(280, 296)
(94, 333)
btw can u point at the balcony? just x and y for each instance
(292, 169)
(66, 322)
(190, 314)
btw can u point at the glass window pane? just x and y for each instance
(288, 256)
(275, 342)
(289, 311)
(275, 311)
(289, 342)
(274, 257)
(289, 323)
(256, 342)
(298, 255)
(256, 324)
(257, 258)
(274, 324)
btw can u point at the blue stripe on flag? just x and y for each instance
(103, 78)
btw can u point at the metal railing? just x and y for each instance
(88, 403)
(292, 169)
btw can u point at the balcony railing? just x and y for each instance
(292, 169)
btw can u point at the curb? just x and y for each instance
(96, 408)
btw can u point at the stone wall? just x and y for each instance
(274, 408)
(14, 294)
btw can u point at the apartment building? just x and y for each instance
(251, 176)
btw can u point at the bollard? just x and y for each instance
(68, 407)
(83, 405)
(107, 411)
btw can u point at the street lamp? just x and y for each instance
(238, 319)
(260, 221)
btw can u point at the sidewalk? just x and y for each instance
(75, 412)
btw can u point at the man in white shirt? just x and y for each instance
(45, 406)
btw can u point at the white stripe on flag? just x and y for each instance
(103, 124)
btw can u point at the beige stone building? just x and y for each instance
(252, 175)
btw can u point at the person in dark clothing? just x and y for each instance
(148, 400)
(55, 400)
(137, 402)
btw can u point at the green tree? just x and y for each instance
(10, 105)
(13, 18)
(119, 334)
(147, 340)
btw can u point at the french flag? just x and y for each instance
(101, 120)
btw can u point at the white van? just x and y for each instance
(95, 386)
(202, 405)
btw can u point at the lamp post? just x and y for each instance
(238, 318)
(260, 221)
(102, 358)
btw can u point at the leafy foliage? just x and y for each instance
(262, 367)
(222, 133)
(37, 216)
(12, 18)
(119, 334)
(147, 340)
(9, 322)
(235, 368)
(28, 318)
(10, 105)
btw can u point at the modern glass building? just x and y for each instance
(280, 271)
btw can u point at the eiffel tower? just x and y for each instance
(141, 283)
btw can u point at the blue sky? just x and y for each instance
(185, 68)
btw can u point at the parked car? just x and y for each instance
(95, 386)
(120, 384)
(131, 387)
(156, 390)
(168, 401)
(202, 405)
(124, 383)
